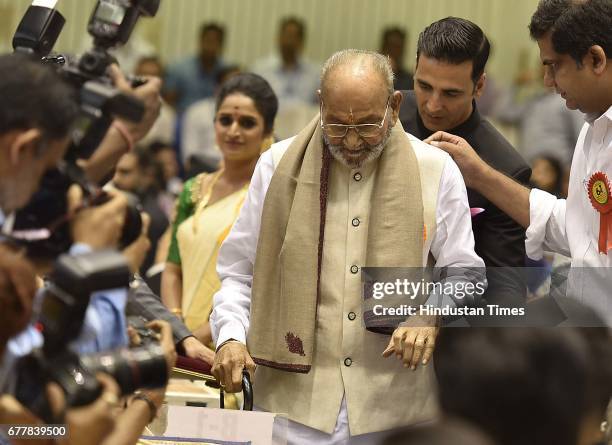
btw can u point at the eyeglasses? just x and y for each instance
(363, 130)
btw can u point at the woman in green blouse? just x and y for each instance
(210, 203)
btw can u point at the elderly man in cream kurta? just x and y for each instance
(349, 191)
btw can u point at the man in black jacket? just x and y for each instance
(451, 57)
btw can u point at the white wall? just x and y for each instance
(332, 25)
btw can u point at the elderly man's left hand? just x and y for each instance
(414, 341)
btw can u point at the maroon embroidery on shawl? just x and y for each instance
(294, 343)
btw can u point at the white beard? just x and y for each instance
(371, 152)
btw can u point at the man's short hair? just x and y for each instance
(34, 96)
(214, 27)
(575, 26)
(298, 23)
(455, 40)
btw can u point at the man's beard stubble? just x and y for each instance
(371, 152)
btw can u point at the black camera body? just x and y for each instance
(61, 319)
(42, 225)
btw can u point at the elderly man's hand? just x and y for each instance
(471, 165)
(414, 341)
(149, 94)
(230, 360)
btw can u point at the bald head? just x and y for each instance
(357, 95)
(355, 69)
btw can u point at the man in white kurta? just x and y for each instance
(580, 70)
(351, 391)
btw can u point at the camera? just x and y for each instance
(41, 226)
(61, 319)
(146, 335)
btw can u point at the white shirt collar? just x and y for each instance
(591, 118)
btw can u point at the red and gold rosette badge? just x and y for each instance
(599, 195)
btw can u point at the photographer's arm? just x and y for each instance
(91, 424)
(17, 290)
(142, 407)
(105, 158)
(115, 144)
(98, 227)
(132, 422)
(87, 425)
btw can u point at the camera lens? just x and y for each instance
(136, 368)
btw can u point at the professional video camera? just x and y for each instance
(62, 315)
(41, 225)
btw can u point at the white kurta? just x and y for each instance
(571, 226)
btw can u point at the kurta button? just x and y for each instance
(348, 362)
(357, 176)
(352, 316)
(355, 222)
(354, 269)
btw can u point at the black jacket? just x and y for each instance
(500, 241)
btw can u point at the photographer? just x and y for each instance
(38, 109)
(35, 117)
(103, 422)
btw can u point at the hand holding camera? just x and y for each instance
(90, 424)
(149, 94)
(115, 144)
(99, 226)
(17, 290)
(154, 332)
(92, 76)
